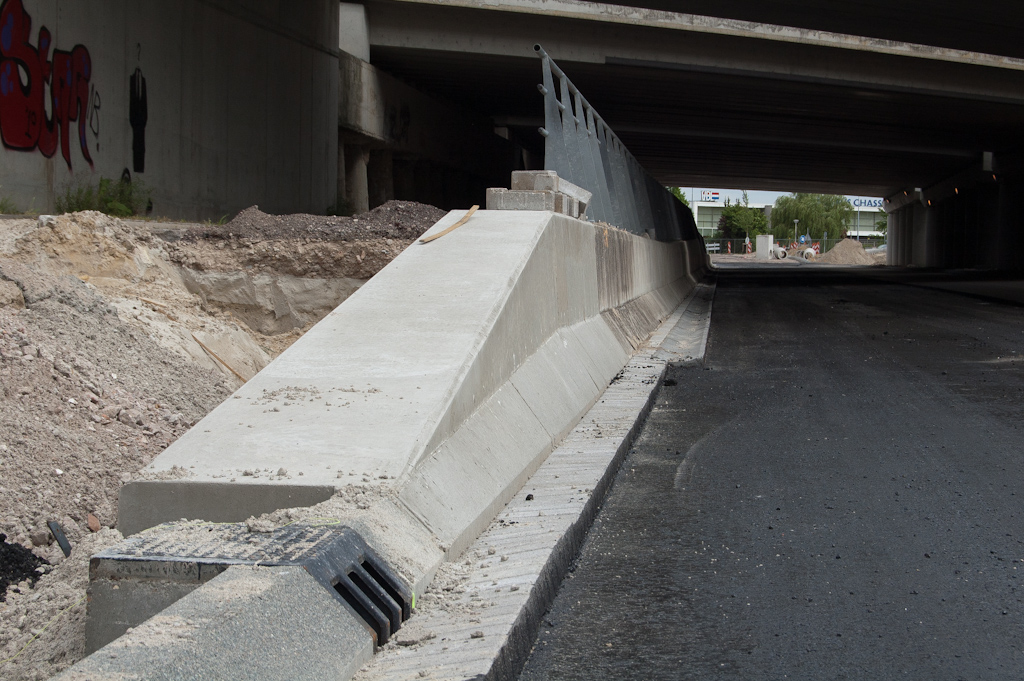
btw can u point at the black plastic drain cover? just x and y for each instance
(335, 555)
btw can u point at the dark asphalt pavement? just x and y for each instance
(836, 494)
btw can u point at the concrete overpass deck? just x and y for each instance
(711, 102)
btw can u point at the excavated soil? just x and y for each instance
(115, 338)
(308, 245)
(847, 252)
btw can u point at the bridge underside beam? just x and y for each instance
(722, 110)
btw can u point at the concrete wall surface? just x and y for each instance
(407, 122)
(215, 104)
(439, 385)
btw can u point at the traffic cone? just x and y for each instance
(728, 247)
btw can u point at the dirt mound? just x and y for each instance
(395, 220)
(846, 252)
(115, 341)
(86, 400)
(340, 253)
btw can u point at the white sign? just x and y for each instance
(707, 195)
(861, 202)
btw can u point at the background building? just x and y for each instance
(707, 205)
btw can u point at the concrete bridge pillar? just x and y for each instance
(891, 238)
(357, 186)
(1008, 240)
(901, 236)
(380, 177)
(907, 237)
(922, 235)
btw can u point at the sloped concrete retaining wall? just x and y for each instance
(441, 385)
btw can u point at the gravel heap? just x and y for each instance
(395, 219)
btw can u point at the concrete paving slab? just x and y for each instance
(247, 623)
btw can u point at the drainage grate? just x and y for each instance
(367, 585)
(334, 555)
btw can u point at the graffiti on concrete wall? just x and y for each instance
(138, 114)
(27, 75)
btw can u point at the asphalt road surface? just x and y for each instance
(837, 493)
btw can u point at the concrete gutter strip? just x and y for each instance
(687, 341)
(481, 615)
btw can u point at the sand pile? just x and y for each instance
(86, 400)
(132, 270)
(113, 342)
(846, 252)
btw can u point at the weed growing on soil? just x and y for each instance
(7, 206)
(120, 198)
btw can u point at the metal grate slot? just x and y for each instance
(378, 622)
(383, 576)
(376, 593)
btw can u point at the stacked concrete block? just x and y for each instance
(540, 190)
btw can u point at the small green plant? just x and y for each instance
(120, 198)
(7, 206)
(222, 221)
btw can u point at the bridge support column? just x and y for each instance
(891, 220)
(925, 237)
(380, 177)
(357, 186)
(907, 237)
(901, 226)
(1008, 241)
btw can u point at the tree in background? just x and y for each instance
(739, 220)
(818, 214)
(882, 223)
(678, 193)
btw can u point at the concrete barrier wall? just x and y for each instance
(216, 104)
(440, 385)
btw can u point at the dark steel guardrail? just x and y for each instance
(584, 150)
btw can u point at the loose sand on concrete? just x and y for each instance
(116, 337)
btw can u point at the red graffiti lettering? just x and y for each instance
(25, 72)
